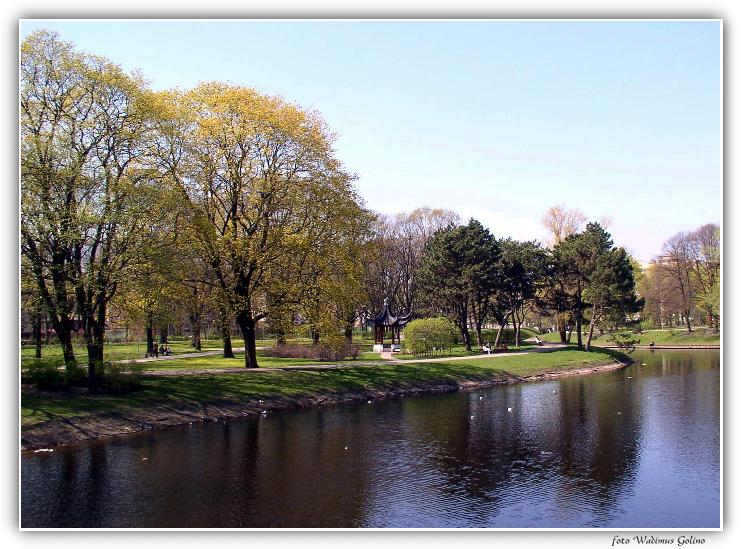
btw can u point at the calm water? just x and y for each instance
(634, 448)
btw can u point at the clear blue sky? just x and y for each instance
(496, 120)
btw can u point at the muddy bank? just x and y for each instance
(94, 426)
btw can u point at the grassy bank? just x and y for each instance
(196, 389)
(678, 337)
(458, 351)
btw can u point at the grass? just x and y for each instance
(41, 406)
(460, 351)
(217, 361)
(126, 351)
(130, 351)
(675, 336)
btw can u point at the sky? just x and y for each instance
(497, 120)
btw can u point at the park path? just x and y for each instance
(212, 352)
(211, 371)
(543, 348)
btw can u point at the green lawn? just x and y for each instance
(127, 351)
(460, 351)
(676, 336)
(264, 361)
(41, 406)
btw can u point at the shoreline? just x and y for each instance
(107, 425)
(708, 346)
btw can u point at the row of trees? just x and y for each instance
(223, 203)
(472, 278)
(151, 203)
(684, 281)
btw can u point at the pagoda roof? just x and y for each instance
(387, 318)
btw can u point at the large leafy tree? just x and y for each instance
(84, 190)
(598, 276)
(611, 291)
(576, 258)
(267, 192)
(522, 269)
(458, 273)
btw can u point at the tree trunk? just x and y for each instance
(95, 336)
(163, 335)
(687, 320)
(63, 327)
(466, 337)
(579, 344)
(561, 325)
(280, 336)
(348, 335)
(37, 335)
(502, 324)
(477, 327)
(591, 328)
(150, 335)
(226, 335)
(247, 325)
(315, 337)
(195, 330)
(463, 326)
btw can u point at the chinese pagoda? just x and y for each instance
(385, 322)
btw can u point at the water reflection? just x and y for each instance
(634, 448)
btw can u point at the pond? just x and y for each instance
(634, 448)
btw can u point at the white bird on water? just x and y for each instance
(509, 409)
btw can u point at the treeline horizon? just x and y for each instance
(159, 206)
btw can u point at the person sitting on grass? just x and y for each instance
(538, 341)
(486, 349)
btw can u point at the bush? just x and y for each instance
(44, 374)
(428, 335)
(75, 375)
(119, 377)
(329, 351)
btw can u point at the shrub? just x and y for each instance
(44, 373)
(624, 341)
(329, 351)
(75, 375)
(428, 335)
(120, 377)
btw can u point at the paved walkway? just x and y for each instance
(544, 347)
(213, 352)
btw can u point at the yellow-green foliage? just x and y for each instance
(424, 335)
